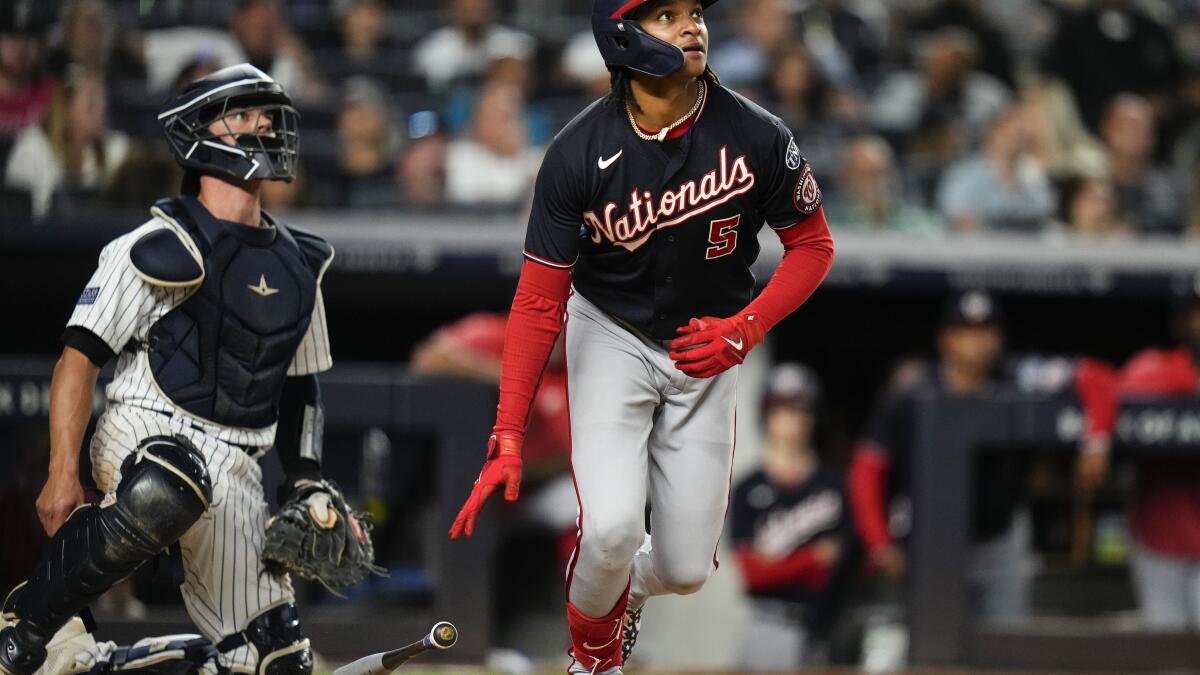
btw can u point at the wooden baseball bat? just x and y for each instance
(443, 635)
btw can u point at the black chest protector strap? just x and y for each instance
(223, 354)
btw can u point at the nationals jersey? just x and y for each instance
(779, 521)
(658, 233)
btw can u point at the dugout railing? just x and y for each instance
(951, 432)
(455, 415)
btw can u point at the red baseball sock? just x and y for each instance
(596, 643)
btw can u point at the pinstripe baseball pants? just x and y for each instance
(225, 585)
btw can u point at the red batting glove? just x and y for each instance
(710, 346)
(503, 467)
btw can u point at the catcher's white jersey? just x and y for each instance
(224, 586)
(118, 306)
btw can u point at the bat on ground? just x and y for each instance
(443, 635)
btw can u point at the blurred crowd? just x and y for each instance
(1062, 117)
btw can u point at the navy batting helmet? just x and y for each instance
(188, 119)
(624, 44)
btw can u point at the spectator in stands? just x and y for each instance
(849, 49)
(583, 66)
(1164, 511)
(1149, 195)
(204, 64)
(257, 33)
(147, 174)
(363, 29)
(90, 40)
(494, 163)
(1109, 47)
(73, 148)
(367, 146)
(261, 31)
(280, 197)
(1089, 208)
(869, 193)
(995, 56)
(743, 61)
(467, 47)
(25, 88)
(1062, 145)
(820, 114)
(462, 99)
(943, 108)
(792, 531)
(1002, 187)
(421, 172)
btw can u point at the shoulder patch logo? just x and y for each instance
(807, 197)
(793, 154)
(89, 295)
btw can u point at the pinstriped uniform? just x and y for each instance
(225, 585)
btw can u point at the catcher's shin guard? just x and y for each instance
(164, 489)
(276, 637)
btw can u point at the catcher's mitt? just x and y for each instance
(317, 536)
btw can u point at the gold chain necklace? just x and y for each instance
(662, 133)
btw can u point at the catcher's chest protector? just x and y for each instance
(223, 354)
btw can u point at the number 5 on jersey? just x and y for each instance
(722, 234)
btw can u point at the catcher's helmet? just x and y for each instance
(188, 116)
(624, 44)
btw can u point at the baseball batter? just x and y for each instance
(213, 312)
(649, 204)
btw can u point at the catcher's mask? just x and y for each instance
(236, 122)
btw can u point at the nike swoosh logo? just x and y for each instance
(589, 646)
(605, 163)
(736, 345)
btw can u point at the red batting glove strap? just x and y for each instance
(709, 346)
(1096, 386)
(502, 468)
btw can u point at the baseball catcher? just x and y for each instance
(213, 312)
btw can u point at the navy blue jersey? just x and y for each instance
(658, 233)
(997, 477)
(778, 520)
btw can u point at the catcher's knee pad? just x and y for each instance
(164, 489)
(277, 639)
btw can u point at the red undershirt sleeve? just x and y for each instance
(801, 567)
(533, 326)
(867, 477)
(1096, 387)
(807, 257)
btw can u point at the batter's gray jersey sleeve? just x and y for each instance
(116, 301)
(313, 355)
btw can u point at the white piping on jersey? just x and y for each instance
(548, 263)
(188, 244)
(325, 265)
(210, 92)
